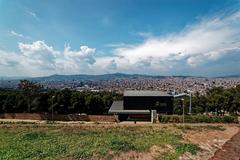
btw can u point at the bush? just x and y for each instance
(197, 119)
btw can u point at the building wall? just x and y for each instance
(161, 104)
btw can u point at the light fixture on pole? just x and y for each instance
(52, 106)
(190, 101)
(183, 112)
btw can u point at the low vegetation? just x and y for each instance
(179, 150)
(87, 142)
(197, 119)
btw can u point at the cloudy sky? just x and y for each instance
(157, 37)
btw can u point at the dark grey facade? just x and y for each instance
(160, 104)
(142, 102)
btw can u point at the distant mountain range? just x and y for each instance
(84, 77)
(13, 78)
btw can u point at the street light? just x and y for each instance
(190, 103)
(52, 107)
(183, 111)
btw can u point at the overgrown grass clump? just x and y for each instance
(191, 148)
(197, 119)
(17, 122)
(180, 149)
(84, 142)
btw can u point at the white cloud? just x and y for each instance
(75, 62)
(199, 49)
(145, 34)
(33, 14)
(13, 33)
(9, 59)
(117, 45)
(39, 55)
(196, 45)
(84, 54)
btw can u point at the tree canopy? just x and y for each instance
(32, 98)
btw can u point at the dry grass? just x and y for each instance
(98, 141)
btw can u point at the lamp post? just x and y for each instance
(183, 112)
(190, 104)
(52, 107)
(190, 101)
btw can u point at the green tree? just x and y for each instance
(29, 90)
(94, 104)
(78, 103)
(9, 104)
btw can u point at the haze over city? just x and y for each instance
(198, 38)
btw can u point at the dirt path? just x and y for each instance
(230, 150)
(209, 141)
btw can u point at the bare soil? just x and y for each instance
(230, 150)
(209, 141)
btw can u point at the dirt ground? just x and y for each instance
(208, 140)
(211, 141)
(230, 150)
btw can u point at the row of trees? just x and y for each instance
(31, 97)
(217, 100)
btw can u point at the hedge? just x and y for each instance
(197, 119)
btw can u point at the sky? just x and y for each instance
(154, 37)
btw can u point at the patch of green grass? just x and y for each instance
(180, 149)
(83, 142)
(200, 128)
(121, 145)
(216, 128)
(34, 136)
(191, 148)
(17, 122)
(169, 156)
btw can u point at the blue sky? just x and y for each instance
(159, 37)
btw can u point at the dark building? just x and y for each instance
(138, 104)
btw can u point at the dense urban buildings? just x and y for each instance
(166, 84)
(118, 84)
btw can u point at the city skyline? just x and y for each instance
(196, 38)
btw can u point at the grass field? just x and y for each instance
(45, 141)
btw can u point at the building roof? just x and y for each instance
(146, 93)
(117, 108)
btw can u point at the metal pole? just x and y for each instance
(52, 113)
(183, 113)
(190, 105)
(52, 107)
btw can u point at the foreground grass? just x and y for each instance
(86, 142)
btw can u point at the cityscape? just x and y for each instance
(120, 82)
(119, 79)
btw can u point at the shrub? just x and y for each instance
(197, 119)
(230, 119)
